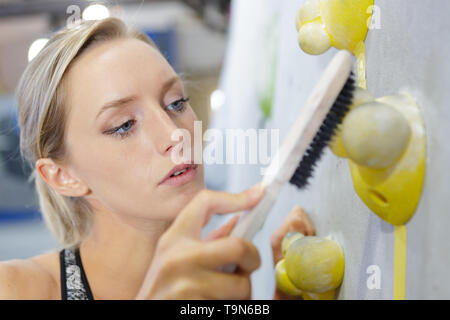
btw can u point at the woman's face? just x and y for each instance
(122, 151)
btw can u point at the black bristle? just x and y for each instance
(324, 136)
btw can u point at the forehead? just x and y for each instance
(113, 69)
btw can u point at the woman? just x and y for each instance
(97, 108)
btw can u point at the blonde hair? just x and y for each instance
(42, 118)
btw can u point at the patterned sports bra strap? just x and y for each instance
(74, 284)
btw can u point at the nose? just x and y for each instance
(161, 129)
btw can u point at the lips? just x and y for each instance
(179, 175)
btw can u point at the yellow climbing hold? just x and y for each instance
(283, 282)
(387, 166)
(375, 135)
(288, 239)
(314, 264)
(360, 96)
(347, 21)
(342, 24)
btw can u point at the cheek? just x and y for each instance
(124, 189)
(190, 122)
(189, 117)
(114, 171)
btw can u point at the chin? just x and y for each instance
(178, 200)
(184, 197)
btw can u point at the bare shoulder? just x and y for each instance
(34, 278)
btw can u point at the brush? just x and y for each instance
(305, 142)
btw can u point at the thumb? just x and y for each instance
(222, 231)
(198, 212)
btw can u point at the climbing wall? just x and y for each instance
(407, 55)
(408, 51)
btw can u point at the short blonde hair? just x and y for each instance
(42, 117)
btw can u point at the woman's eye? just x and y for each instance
(122, 130)
(178, 106)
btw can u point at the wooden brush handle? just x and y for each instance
(297, 141)
(251, 221)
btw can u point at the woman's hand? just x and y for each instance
(186, 267)
(298, 221)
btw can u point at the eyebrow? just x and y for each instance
(169, 83)
(123, 101)
(116, 103)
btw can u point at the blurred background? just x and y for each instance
(191, 34)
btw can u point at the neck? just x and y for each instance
(117, 254)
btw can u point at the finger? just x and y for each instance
(296, 221)
(277, 237)
(226, 286)
(277, 254)
(310, 230)
(223, 231)
(275, 242)
(279, 234)
(198, 212)
(230, 250)
(301, 222)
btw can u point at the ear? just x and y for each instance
(60, 178)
